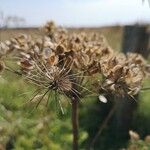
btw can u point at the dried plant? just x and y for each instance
(62, 61)
(136, 143)
(123, 74)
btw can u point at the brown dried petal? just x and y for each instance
(134, 135)
(26, 64)
(60, 49)
(52, 59)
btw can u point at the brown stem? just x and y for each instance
(104, 124)
(75, 123)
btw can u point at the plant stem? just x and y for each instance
(75, 123)
(104, 124)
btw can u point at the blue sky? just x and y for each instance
(78, 12)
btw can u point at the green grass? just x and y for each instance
(144, 104)
(43, 128)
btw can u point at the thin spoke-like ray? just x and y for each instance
(41, 98)
(36, 92)
(82, 87)
(62, 110)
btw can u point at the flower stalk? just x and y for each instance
(75, 122)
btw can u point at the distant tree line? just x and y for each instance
(10, 21)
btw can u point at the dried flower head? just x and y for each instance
(134, 135)
(57, 61)
(123, 74)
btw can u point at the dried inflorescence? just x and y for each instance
(136, 143)
(56, 60)
(124, 73)
(51, 30)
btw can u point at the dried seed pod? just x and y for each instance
(52, 59)
(22, 38)
(26, 64)
(135, 58)
(134, 135)
(116, 72)
(60, 49)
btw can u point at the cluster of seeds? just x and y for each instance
(60, 60)
(124, 73)
(137, 143)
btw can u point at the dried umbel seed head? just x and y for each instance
(60, 50)
(147, 139)
(134, 135)
(49, 77)
(123, 81)
(134, 58)
(50, 29)
(123, 75)
(49, 61)
(54, 32)
(21, 43)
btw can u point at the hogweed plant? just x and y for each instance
(63, 63)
